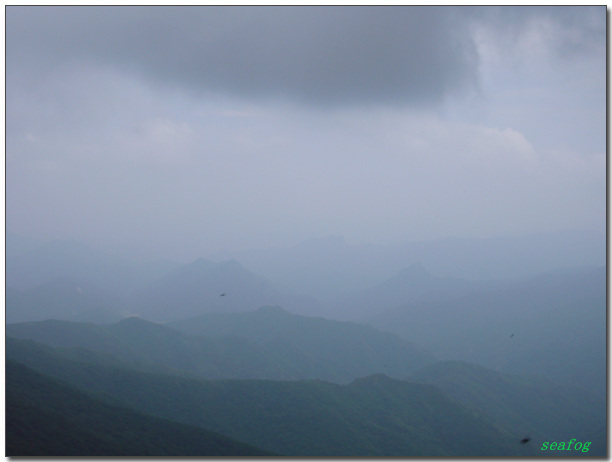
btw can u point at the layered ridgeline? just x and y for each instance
(46, 417)
(69, 281)
(205, 286)
(269, 343)
(330, 268)
(532, 405)
(62, 298)
(412, 284)
(553, 325)
(470, 411)
(372, 416)
(375, 416)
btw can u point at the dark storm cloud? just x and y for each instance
(182, 131)
(414, 55)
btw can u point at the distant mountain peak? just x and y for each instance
(272, 310)
(133, 321)
(205, 286)
(232, 263)
(135, 325)
(374, 380)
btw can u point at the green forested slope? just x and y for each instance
(44, 417)
(375, 416)
(348, 350)
(269, 343)
(524, 405)
(553, 326)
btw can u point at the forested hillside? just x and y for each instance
(375, 416)
(45, 417)
(527, 404)
(215, 360)
(314, 231)
(371, 416)
(268, 343)
(553, 325)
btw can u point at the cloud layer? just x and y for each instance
(187, 130)
(323, 55)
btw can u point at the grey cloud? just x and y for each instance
(98, 153)
(570, 30)
(414, 55)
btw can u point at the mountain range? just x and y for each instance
(330, 269)
(316, 277)
(46, 417)
(448, 348)
(373, 416)
(530, 404)
(410, 285)
(553, 325)
(205, 286)
(269, 343)
(444, 409)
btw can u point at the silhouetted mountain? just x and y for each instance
(203, 286)
(412, 284)
(62, 299)
(45, 417)
(269, 343)
(553, 326)
(196, 288)
(346, 349)
(523, 405)
(330, 269)
(145, 345)
(375, 416)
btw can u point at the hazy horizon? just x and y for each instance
(226, 223)
(181, 132)
(22, 244)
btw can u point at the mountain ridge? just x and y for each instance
(268, 343)
(371, 417)
(64, 421)
(204, 286)
(529, 405)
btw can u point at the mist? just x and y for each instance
(278, 125)
(224, 223)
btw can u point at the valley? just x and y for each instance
(306, 231)
(409, 366)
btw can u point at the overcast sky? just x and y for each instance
(181, 131)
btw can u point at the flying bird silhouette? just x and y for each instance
(525, 440)
(222, 295)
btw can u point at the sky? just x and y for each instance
(177, 132)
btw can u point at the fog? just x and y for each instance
(226, 223)
(180, 132)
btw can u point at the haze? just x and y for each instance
(180, 132)
(226, 223)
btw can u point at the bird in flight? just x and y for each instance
(222, 295)
(525, 440)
